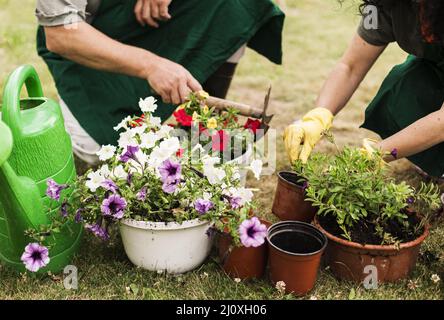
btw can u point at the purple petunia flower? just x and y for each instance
(114, 206)
(110, 186)
(410, 200)
(394, 153)
(54, 189)
(235, 202)
(203, 206)
(170, 186)
(98, 231)
(252, 232)
(170, 170)
(78, 217)
(64, 209)
(130, 154)
(141, 195)
(35, 257)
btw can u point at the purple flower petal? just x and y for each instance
(114, 206)
(35, 257)
(170, 170)
(203, 206)
(252, 233)
(130, 154)
(53, 191)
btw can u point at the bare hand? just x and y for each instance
(171, 81)
(151, 11)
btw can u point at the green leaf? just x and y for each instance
(352, 294)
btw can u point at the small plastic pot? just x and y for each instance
(289, 200)
(295, 251)
(241, 262)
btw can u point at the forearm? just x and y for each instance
(89, 47)
(338, 88)
(419, 136)
(348, 74)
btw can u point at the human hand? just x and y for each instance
(171, 81)
(301, 137)
(151, 11)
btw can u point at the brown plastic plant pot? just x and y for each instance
(241, 262)
(295, 251)
(350, 260)
(289, 200)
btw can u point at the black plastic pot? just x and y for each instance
(295, 251)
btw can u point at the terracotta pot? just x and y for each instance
(347, 260)
(289, 200)
(241, 262)
(295, 251)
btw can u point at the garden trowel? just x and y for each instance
(245, 109)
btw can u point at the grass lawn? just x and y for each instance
(316, 33)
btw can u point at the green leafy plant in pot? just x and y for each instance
(368, 217)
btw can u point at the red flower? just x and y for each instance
(138, 122)
(183, 118)
(219, 140)
(180, 153)
(253, 125)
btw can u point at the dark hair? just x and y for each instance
(431, 16)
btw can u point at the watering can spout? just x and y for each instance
(19, 196)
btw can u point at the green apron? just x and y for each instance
(411, 91)
(201, 36)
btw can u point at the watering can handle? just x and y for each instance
(24, 75)
(6, 145)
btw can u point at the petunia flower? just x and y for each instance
(170, 170)
(212, 123)
(252, 232)
(110, 186)
(98, 231)
(130, 154)
(35, 257)
(148, 104)
(106, 152)
(203, 206)
(114, 206)
(170, 186)
(394, 153)
(54, 190)
(141, 195)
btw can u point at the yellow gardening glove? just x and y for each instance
(301, 137)
(369, 148)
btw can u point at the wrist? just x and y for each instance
(148, 64)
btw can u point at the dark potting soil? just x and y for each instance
(364, 232)
(296, 242)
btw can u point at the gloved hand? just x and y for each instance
(301, 137)
(370, 148)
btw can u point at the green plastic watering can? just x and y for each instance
(34, 147)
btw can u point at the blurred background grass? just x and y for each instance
(316, 34)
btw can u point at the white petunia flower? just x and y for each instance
(119, 173)
(156, 121)
(123, 124)
(104, 171)
(245, 195)
(138, 130)
(148, 140)
(214, 175)
(95, 180)
(148, 104)
(127, 138)
(106, 152)
(256, 166)
(164, 131)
